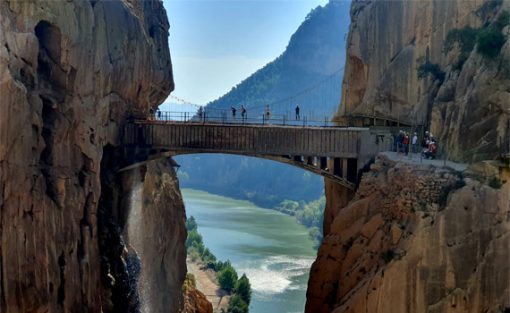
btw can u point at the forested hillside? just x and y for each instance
(314, 53)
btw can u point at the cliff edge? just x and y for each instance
(417, 239)
(441, 64)
(70, 74)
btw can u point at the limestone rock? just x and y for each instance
(196, 302)
(415, 239)
(469, 111)
(70, 74)
(155, 229)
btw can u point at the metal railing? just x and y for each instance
(226, 117)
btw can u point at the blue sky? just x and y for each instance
(215, 44)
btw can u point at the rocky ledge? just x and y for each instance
(417, 238)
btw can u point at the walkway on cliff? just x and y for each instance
(415, 158)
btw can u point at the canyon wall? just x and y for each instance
(415, 238)
(70, 74)
(155, 229)
(418, 239)
(463, 96)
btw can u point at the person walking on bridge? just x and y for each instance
(298, 117)
(267, 113)
(243, 113)
(233, 112)
(200, 113)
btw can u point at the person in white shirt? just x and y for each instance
(414, 142)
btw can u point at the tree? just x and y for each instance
(227, 278)
(237, 305)
(191, 224)
(243, 289)
(194, 239)
(489, 42)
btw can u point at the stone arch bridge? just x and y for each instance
(337, 153)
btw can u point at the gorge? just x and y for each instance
(79, 232)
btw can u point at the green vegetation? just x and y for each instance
(243, 288)
(227, 278)
(466, 39)
(488, 39)
(265, 183)
(316, 49)
(502, 20)
(489, 42)
(240, 289)
(309, 214)
(189, 282)
(427, 68)
(237, 305)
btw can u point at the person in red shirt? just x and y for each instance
(405, 143)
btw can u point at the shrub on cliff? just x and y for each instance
(503, 20)
(465, 38)
(189, 282)
(194, 239)
(489, 42)
(191, 224)
(428, 68)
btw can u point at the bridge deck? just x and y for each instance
(333, 152)
(248, 139)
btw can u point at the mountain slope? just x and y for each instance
(316, 50)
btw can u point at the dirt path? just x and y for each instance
(208, 285)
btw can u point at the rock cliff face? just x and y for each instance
(196, 302)
(155, 229)
(417, 239)
(465, 101)
(70, 73)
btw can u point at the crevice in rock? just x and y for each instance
(49, 39)
(61, 287)
(46, 158)
(120, 266)
(50, 93)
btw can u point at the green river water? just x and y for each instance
(272, 249)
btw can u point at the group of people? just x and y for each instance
(406, 143)
(429, 146)
(266, 114)
(243, 112)
(403, 141)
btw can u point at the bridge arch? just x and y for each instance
(337, 153)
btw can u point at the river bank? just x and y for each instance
(272, 249)
(207, 283)
(307, 213)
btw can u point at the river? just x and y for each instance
(272, 249)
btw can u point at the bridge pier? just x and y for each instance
(323, 163)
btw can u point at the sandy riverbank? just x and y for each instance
(207, 283)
